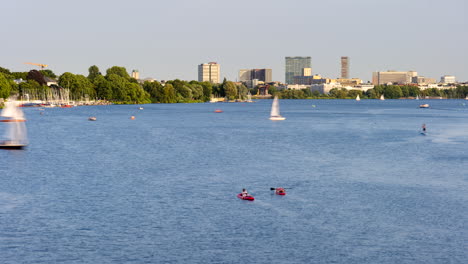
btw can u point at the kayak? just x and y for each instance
(280, 191)
(248, 197)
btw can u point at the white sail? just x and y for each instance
(249, 97)
(417, 97)
(382, 97)
(275, 111)
(358, 98)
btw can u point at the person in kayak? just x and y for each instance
(244, 193)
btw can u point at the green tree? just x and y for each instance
(393, 92)
(169, 96)
(120, 71)
(48, 73)
(93, 72)
(6, 86)
(103, 88)
(231, 90)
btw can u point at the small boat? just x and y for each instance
(466, 98)
(218, 111)
(358, 98)
(141, 108)
(16, 129)
(280, 191)
(382, 97)
(92, 118)
(424, 106)
(417, 97)
(132, 117)
(248, 197)
(275, 111)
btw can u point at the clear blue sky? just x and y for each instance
(168, 39)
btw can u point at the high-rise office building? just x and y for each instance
(393, 77)
(295, 66)
(344, 68)
(264, 75)
(209, 72)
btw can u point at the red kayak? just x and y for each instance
(248, 197)
(280, 191)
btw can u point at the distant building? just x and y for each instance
(297, 66)
(348, 82)
(422, 80)
(209, 72)
(448, 79)
(135, 74)
(344, 68)
(263, 75)
(393, 77)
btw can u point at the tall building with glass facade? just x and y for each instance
(295, 67)
(209, 72)
(263, 75)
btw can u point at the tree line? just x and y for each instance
(117, 86)
(389, 92)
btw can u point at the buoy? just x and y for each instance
(132, 117)
(218, 111)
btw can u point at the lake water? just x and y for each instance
(365, 185)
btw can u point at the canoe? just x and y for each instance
(248, 197)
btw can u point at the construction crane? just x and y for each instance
(37, 64)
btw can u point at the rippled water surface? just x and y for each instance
(365, 185)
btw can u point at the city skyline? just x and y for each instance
(166, 40)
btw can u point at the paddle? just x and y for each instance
(271, 188)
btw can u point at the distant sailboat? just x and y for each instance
(249, 98)
(417, 97)
(466, 98)
(358, 98)
(275, 111)
(15, 135)
(382, 97)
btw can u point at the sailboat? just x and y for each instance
(382, 97)
(275, 111)
(417, 97)
(249, 98)
(16, 129)
(466, 98)
(358, 98)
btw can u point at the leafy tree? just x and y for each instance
(37, 76)
(48, 73)
(169, 96)
(6, 86)
(120, 71)
(231, 90)
(93, 72)
(20, 75)
(393, 92)
(197, 91)
(242, 91)
(103, 88)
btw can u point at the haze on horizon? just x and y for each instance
(167, 39)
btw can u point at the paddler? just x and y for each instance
(244, 193)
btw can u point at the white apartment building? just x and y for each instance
(209, 72)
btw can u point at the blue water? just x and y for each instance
(365, 185)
